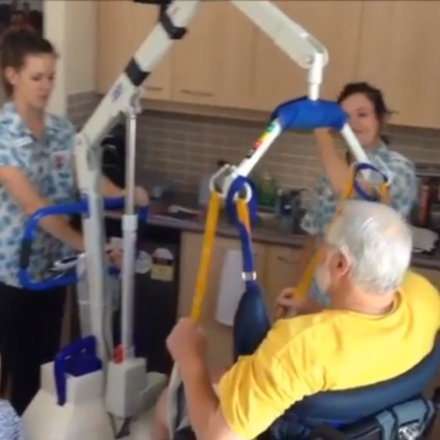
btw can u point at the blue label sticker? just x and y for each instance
(117, 92)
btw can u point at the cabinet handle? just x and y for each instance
(195, 93)
(154, 89)
(285, 260)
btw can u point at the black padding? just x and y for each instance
(173, 32)
(134, 73)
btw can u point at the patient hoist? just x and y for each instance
(94, 393)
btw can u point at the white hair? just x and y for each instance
(377, 243)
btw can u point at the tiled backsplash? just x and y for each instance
(186, 147)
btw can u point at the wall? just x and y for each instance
(71, 26)
(80, 46)
(186, 147)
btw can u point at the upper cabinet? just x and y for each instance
(114, 50)
(336, 24)
(123, 26)
(212, 64)
(226, 61)
(144, 18)
(398, 52)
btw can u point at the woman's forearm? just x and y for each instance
(306, 255)
(60, 228)
(335, 167)
(110, 190)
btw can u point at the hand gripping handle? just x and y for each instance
(29, 233)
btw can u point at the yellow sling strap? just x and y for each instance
(207, 247)
(303, 287)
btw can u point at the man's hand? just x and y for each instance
(186, 342)
(287, 305)
(141, 197)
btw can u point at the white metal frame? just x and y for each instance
(289, 36)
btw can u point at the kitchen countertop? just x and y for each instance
(267, 233)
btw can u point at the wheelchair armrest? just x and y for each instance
(326, 432)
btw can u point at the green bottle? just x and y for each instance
(267, 191)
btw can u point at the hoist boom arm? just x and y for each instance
(289, 36)
(174, 16)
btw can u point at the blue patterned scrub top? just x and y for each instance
(323, 204)
(48, 165)
(10, 424)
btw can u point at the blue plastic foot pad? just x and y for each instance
(77, 359)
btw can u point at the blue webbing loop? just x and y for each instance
(358, 167)
(236, 187)
(251, 322)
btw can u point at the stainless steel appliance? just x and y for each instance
(426, 212)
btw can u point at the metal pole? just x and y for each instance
(129, 227)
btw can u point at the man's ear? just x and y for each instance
(342, 264)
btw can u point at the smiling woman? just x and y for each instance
(368, 115)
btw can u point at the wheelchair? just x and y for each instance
(392, 410)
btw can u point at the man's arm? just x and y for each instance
(254, 392)
(203, 404)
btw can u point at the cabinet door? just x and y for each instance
(335, 24)
(281, 264)
(212, 64)
(113, 51)
(432, 275)
(398, 52)
(219, 336)
(144, 17)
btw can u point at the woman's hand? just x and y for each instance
(114, 255)
(141, 197)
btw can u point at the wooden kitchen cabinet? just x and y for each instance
(158, 85)
(191, 248)
(122, 27)
(212, 64)
(219, 336)
(281, 264)
(276, 78)
(113, 41)
(397, 52)
(431, 274)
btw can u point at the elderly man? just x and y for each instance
(382, 321)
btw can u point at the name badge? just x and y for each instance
(60, 159)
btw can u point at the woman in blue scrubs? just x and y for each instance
(36, 170)
(367, 115)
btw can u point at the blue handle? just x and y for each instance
(77, 359)
(32, 225)
(362, 167)
(238, 185)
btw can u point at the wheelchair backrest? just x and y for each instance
(341, 408)
(351, 405)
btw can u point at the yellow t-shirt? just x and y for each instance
(329, 351)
